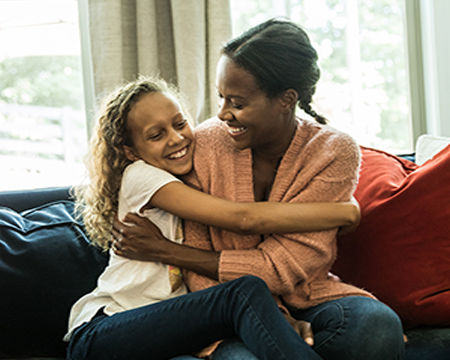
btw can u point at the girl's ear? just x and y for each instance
(130, 153)
(288, 99)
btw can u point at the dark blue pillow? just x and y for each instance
(46, 264)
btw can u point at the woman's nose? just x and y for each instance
(222, 112)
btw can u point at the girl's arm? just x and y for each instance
(253, 217)
(138, 238)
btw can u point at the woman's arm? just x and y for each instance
(253, 218)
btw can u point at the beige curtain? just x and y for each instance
(178, 40)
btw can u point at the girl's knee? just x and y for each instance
(250, 285)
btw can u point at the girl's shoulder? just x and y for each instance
(140, 176)
(140, 168)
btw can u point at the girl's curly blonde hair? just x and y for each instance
(97, 201)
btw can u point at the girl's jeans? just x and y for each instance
(241, 308)
(349, 328)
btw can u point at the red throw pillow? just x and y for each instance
(401, 250)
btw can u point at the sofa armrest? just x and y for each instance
(20, 200)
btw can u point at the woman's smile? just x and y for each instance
(235, 131)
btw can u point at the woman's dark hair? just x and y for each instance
(280, 56)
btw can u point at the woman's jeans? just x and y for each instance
(242, 308)
(349, 328)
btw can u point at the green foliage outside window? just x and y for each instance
(53, 81)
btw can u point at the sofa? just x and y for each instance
(400, 252)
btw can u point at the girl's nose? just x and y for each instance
(175, 137)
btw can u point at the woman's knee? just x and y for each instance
(376, 330)
(356, 328)
(378, 318)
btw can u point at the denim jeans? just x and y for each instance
(241, 308)
(233, 349)
(349, 328)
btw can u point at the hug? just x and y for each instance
(221, 240)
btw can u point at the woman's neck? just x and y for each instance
(273, 152)
(266, 162)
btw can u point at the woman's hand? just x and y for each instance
(301, 327)
(138, 238)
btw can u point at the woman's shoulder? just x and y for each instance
(211, 134)
(209, 127)
(327, 139)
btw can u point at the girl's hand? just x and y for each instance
(138, 238)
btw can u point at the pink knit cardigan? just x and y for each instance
(321, 164)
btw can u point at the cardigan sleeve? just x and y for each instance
(285, 261)
(196, 235)
(199, 238)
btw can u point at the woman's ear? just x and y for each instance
(130, 154)
(288, 99)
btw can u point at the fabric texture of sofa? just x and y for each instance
(47, 262)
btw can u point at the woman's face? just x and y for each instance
(160, 133)
(253, 120)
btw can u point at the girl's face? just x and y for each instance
(253, 119)
(160, 133)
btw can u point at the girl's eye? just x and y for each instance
(181, 124)
(154, 137)
(237, 106)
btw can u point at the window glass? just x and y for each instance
(363, 89)
(42, 122)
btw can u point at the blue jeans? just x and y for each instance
(349, 328)
(241, 308)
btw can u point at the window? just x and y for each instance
(42, 122)
(363, 89)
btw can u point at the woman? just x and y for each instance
(258, 150)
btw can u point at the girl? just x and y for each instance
(142, 309)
